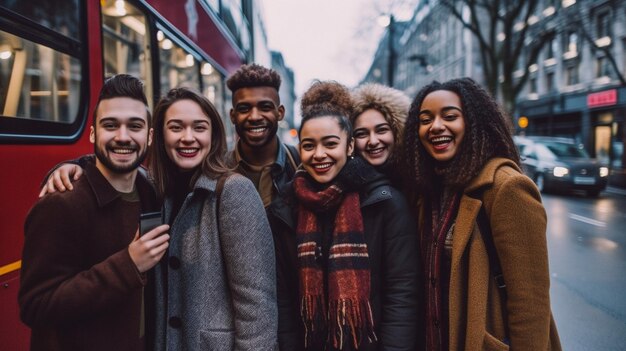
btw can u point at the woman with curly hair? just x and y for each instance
(483, 227)
(378, 116)
(352, 270)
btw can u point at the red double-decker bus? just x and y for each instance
(54, 56)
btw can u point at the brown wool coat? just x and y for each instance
(80, 290)
(477, 319)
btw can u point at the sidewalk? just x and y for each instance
(616, 190)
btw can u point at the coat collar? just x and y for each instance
(205, 183)
(105, 193)
(281, 155)
(487, 175)
(471, 202)
(376, 191)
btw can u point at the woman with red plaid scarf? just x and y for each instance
(352, 275)
(482, 225)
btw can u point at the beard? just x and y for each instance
(101, 155)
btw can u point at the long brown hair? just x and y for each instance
(487, 135)
(161, 166)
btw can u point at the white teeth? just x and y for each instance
(441, 139)
(123, 151)
(323, 166)
(375, 151)
(257, 130)
(187, 151)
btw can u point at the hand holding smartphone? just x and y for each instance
(149, 221)
(148, 249)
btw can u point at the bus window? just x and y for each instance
(213, 89)
(37, 82)
(125, 45)
(42, 75)
(212, 83)
(61, 16)
(179, 68)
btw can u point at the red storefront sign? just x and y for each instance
(603, 98)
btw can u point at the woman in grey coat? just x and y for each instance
(216, 288)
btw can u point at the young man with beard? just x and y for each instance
(84, 265)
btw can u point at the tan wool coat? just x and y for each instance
(479, 319)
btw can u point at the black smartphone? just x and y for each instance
(149, 221)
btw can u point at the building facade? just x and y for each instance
(287, 89)
(575, 87)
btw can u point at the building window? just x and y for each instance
(571, 45)
(603, 25)
(571, 75)
(532, 85)
(549, 82)
(603, 68)
(551, 48)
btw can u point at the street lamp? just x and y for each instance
(389, 22)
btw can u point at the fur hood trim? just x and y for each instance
(392, 103)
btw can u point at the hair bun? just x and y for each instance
(326, 97)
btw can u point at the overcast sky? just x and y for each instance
(328, 39)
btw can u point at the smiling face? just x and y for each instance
(186, 134)
(120, 135)
(324, 148)
(256, 112)
(442, 125)
(373, 136)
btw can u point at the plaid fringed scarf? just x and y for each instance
(348, 314)
(435, 231)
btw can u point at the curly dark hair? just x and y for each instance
(162, 168)
(253, 75)
(487, 135)
(327, 98)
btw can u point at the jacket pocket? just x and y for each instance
(217, 340)
(491, 343)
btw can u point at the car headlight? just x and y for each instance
(560, 171)
(604, 171)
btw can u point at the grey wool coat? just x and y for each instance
(217, 291)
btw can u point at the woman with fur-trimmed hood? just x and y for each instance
(378, 117)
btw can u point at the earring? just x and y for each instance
(351, 157)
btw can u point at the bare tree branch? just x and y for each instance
(580, 22)
(501, 43)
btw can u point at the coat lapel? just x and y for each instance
(463, 228)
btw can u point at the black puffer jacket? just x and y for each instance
(393, 249)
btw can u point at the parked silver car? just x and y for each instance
(561, 164)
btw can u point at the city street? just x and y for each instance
(587, 248)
